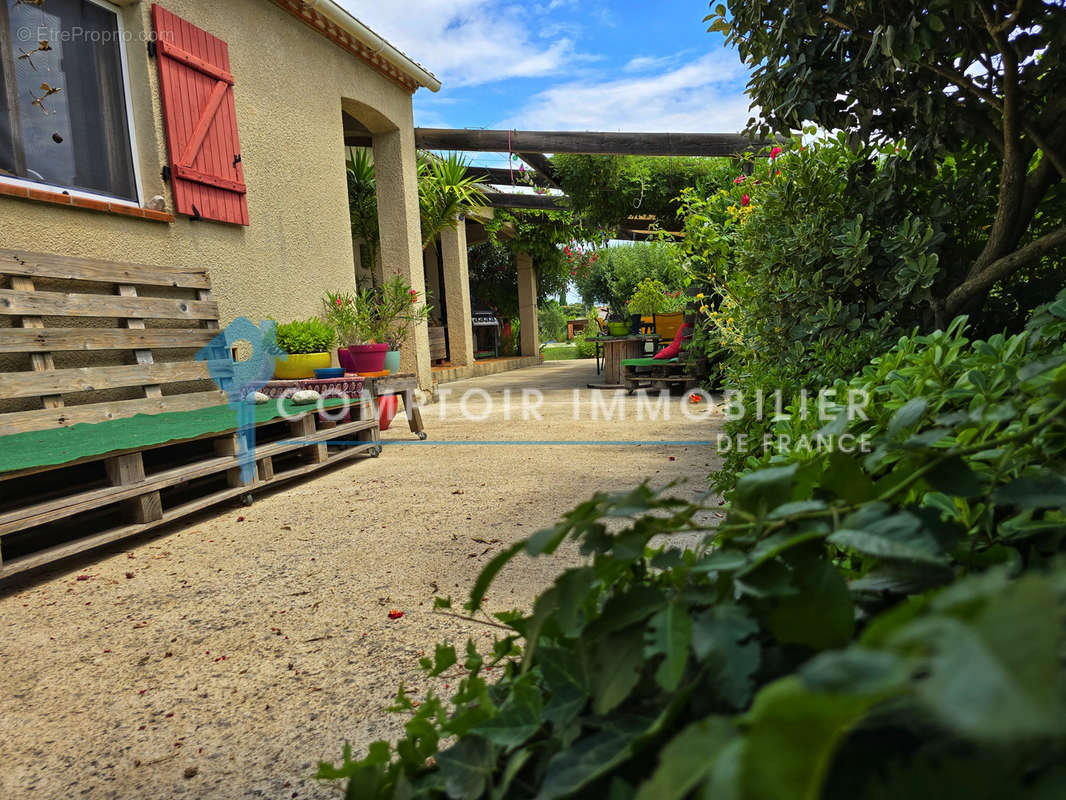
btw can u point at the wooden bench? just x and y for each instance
(87, 348)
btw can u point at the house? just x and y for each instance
(208, 135)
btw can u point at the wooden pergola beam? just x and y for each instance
(506, 177)
(542, 202)
(591, 142)
(544, 166)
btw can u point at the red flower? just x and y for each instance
(745, 200)
(775, 153)
(740, 179)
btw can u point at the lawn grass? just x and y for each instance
(560, 353)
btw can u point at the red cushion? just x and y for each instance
(672, 349)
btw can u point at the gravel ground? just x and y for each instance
(226, 656)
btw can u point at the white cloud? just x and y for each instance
(468, 42)
(704, 95)
(648, 63)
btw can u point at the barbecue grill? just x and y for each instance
(482, 318)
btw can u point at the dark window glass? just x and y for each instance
(62, 102)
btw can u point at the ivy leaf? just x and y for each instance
(718, 640)
(467, 766)
(443, 657)
(820, 615)
(489, 573)
(991, 662)
(899, 536)
(765, 489)
(846, 479)
(590, 757)
(687, 758)
(518, 718)
(793, 733)
(1031, 492)
(669, 634)
(623, 610)
(619, 660)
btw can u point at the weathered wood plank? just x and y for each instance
(51, 554)
(22, 421)
(40, 362)
(57, 304)
(49, 265)
(142, 355)
(129, 469)
(91, 379)
(50, 340)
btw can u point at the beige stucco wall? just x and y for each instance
(290, 83)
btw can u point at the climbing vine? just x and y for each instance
(607, 190)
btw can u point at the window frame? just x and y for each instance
(138, 201)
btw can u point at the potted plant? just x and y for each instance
(398, 309)
(354, 317)
(307, 343)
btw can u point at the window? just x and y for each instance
(63, 110)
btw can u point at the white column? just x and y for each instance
(457, 292)
(527, 305)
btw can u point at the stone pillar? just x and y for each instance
(527, 305)
(401, 235)
(457, 292)
(436, 299)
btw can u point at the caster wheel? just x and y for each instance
(422, 435)
(247, 499)
(375, 452)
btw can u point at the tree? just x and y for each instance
(445, 192)
(939, 76)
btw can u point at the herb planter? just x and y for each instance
(368, 357)
(301, 365)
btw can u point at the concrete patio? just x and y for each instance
(224, 657)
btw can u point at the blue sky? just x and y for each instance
(566, 64)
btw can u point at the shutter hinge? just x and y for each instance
(152, 49)
(196, 215)
(166, 173)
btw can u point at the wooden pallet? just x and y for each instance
(135, 329)
(106, 499)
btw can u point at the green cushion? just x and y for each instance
(648, 362)
(61, 445)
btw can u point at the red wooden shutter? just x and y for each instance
(200, 119)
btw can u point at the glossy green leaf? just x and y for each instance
(669, 634)
(687, 759)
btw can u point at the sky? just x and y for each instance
(621, 65)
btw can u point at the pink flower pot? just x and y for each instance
(344, 358)
(368, 357)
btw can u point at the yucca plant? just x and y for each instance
(445, 192)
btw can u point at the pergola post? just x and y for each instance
(401, 239)
(457, 294)
(527, 305)
(433, 292)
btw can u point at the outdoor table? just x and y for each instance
(615, 350)
(403, 384)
